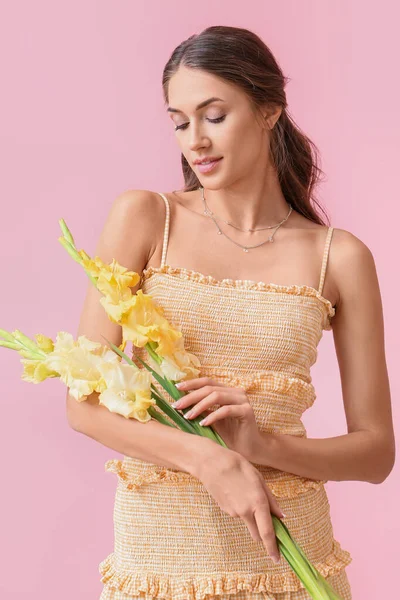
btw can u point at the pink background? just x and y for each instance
(82, 120)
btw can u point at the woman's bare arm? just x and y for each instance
(367, 452)
(151, 442)
(134, 225)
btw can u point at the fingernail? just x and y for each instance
(283, 515)
(176, 404)
(276, 559)
(188, 414)
(179, 385)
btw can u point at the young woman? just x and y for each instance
(242, 262)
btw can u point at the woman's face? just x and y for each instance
(226, 128)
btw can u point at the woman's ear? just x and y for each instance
(272, 115)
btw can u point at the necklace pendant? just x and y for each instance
(219, 232)
(245, 250)
(271, 239)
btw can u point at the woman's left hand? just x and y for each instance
(234, 421)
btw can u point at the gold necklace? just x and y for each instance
(212, 216)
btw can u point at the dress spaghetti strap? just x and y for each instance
(166, 235)
(166, 229)
(325, 259)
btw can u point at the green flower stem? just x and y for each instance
(72, 251)
(315, 572)
(301, 569)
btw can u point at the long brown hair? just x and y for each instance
(239, 56)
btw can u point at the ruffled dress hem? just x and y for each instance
(281, 488)
(199, 587)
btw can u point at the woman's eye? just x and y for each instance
(184, 125)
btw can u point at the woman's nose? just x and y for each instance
(197, 139)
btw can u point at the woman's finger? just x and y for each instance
(208, 396)
(230, 410)
(275, 508)
(262, 515)
(196, 383)
(205, 398)
(252, 527)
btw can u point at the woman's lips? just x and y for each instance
(208, 167)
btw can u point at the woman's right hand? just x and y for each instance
(240, 491)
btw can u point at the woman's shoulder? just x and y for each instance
(146, 205)
(350, 254)
(150, 207)
(347, 245)
(139, 212)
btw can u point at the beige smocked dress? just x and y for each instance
(172, 540)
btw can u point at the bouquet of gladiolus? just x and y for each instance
(123, 387)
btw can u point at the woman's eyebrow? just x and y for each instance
(199, 106)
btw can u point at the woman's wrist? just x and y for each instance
(201, 451)
(261, 449)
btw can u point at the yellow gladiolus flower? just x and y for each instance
(128, 391)
(36, 370)
(115, 307)
(182, 365)
(113, 280)
(143, 322)
(45, 343)
(179, 365)
(77, 363)
(33, 354)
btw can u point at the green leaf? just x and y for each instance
(313, 581)
(173, 414)
(163, 381)
(159, 417)
(121, 353)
